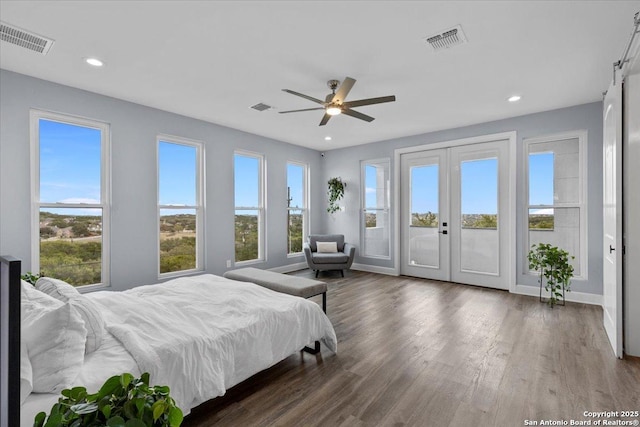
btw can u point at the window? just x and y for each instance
(556, 212)
(249, 211)
(375, 208)
(70, 193)
(180, 227)
(296, 207)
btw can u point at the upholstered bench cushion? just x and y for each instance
(330, 258)
(292, 285)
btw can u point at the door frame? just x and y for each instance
(512, 138)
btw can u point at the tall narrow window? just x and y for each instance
(70, 190)
(375, 208)
(556, 197)
(179, 205)
(296, 206)
(249, 211)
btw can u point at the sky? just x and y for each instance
(70, 172)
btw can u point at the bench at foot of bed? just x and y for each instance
(292, 285)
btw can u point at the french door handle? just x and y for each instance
(611, 249)
(443, 232)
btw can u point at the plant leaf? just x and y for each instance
(84, 408)
(175, 417)
(158, 409)
(38, 421)
(135, 422)
(115, 421)
(109, 387)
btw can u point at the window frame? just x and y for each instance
(35, 116)
(385, 161)
(581, 204)
(262, 168)
(304, 208)
(198, 207)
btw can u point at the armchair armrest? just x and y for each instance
(350, 250)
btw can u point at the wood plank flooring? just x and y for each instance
(415, 352)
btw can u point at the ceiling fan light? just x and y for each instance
(333, 110)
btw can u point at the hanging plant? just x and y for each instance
(335, 192)
(553, 265)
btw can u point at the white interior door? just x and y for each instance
(612, 224)
(455, 214)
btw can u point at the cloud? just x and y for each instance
(80, 201)
(370, 190)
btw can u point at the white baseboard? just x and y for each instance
(374, 269)
(290, 267)
(581, 297)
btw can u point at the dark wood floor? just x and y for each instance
(425, 353)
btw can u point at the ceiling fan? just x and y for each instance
(335, 104)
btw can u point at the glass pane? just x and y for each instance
(70, 163)
(561, 228)
(71, 245)
(424, 240)
(541, 179)
(554, 166)
(294, 231)
(177, 240)
(177, 166)
(424, 196)
(376, 237)
(541, 219)
(295, 186)
(376, 185)
(247, 181)
(479, 238)
(247, 235)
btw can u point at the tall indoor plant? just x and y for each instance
(554, 269)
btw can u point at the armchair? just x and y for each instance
(326, 258)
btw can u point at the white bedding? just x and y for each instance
(199, 335)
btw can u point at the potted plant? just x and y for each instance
(30, 277)
(554, 269)
(122, 401)
(335, 192)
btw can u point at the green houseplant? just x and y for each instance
(554, 269)
(122, 401)
(335, 192)
(30, 277)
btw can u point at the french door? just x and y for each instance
(455, 214)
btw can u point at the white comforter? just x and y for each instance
(203, 334)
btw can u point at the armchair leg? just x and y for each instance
(317, 272)
(342, 272)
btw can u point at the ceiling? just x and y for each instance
(213, 60)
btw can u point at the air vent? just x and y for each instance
(261, 107)
(446, 39)
(23, 38)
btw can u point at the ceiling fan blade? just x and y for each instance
(324, 120)
(305, 109)
(369, 101)
(357, 115)
(343, 90)
(310, 98)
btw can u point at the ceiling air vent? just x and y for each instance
(446, 39)
(261, 107)
(23, 38)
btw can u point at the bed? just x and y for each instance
(200, 335)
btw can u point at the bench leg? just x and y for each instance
(314, 350)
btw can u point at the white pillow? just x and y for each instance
(30, 293)
(55, 340)
(327, 247)
(26, 374)
(93, 321)
(59, 289)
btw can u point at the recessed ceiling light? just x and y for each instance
(94, 61)
(514, 98)
(327, 138)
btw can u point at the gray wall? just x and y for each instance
(134, 178)
(346, 164)
(133, 132)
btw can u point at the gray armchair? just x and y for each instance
(318, 260)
